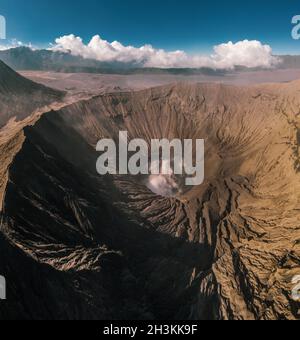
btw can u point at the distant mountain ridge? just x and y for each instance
(290, 61)
(24, 58)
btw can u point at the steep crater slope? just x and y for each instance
(20, 96)
(107, 247)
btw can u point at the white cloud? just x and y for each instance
(14, 43)
(243, 53)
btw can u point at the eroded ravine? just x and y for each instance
(218, 251)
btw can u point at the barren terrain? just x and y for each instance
(99, 83)
(75, 245)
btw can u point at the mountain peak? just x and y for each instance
(15, 91)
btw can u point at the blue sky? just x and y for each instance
(192, 25)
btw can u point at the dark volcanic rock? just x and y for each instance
(81, 246)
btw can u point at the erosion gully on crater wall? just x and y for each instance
(82, 246)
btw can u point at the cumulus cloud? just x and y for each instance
(225, 56)
(244, 53)
(14, 43)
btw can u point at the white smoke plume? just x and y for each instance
(162, 185)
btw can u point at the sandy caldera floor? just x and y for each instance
(96, 83)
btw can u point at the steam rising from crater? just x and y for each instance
(161, 160)
(163, 185)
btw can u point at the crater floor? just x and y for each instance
(82, 246)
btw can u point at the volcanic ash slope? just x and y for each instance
(77, 245)
(19, 96)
